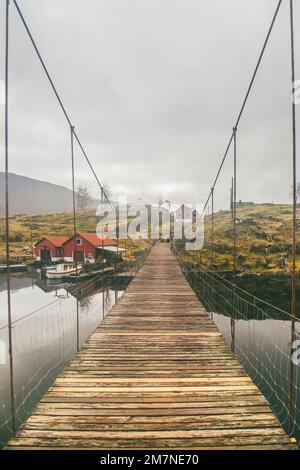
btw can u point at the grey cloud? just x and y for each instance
(153, 88)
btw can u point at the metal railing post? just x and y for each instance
(115, 274)
(212, 228)
(74, 234)
(9, 311)
(232, 322)
(294, 219)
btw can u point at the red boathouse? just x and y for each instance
(50, 249)
(88, 245)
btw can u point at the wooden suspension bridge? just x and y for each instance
(156, 374)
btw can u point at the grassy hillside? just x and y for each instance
(59, 224)
(264, 236)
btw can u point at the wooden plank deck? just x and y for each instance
(156, 374)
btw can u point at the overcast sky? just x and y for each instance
(153, 88)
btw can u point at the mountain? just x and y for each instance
(32, 196)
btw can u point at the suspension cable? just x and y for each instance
(245, 99)
(58, 96)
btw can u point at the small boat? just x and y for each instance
(62, 270)
(49, 268)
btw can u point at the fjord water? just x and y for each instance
(264, 349)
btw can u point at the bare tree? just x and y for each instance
(106, 192)
(297, 192)
(83, 196)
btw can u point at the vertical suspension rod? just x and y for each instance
(7, 244)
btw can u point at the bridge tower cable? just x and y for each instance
(7, 231)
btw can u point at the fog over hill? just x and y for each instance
(32, 196)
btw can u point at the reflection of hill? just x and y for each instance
(273, 288)
(257, 297)
(17, 282)
(93, 287)
(45, 286)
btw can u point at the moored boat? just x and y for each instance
(62, 270)
(49, 268)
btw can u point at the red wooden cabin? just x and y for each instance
(87, 245)
(50, 249)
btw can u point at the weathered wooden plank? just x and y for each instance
(170, 434)
(159, 443)
(40, 421)
(94, 411)
(121, 397)
(70, 382)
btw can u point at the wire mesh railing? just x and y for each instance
(46, 339)
(265, 338)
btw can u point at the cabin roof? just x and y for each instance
(93, 239)
(114, 249)
(55, 241)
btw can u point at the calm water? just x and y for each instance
(44, 340)
(264, 348)
(269, 344)
(261, 335)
